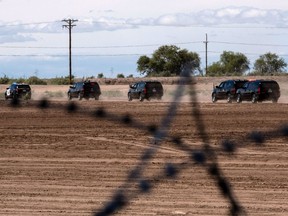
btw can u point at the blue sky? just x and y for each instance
(111, 35)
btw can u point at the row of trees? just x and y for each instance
(168, 60)
(34, 80)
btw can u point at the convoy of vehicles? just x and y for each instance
(258, 90)
(247, 90)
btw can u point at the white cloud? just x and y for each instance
(168, 20)
(229, 16)
(228, 12)
(113, 23)
(253, 13)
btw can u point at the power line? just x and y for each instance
(98, 47)
(249, 44)
(65, 55)
(32, 47)
(141, 45)
(108, 55)
(206, 53)
(25, 24)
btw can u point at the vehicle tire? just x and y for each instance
(69, 96)
(238, 99)
(229, 98)
(142, 97)
(14, 97)
(214, 99)
(274, 100)
(79, 96)
(27, 97)
(129, 97)
(254, 98)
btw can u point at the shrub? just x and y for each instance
(61, 81)
(120, 76)
(4, 80)
(100, 75)
(33, 80)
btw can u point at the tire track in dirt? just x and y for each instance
(161, 148)
(60, 164)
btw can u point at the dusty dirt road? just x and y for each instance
(54, 162)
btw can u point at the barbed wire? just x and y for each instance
(205, 156)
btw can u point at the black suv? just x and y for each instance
(85, 90)
(145, 90)
(259, 90)
(227, 90)
(17, 91)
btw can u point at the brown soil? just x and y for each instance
(53, 162)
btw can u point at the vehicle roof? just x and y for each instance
(262, 80)
(236, 80)
(86, 82)
(148, 81)
(15, 83)
(21, 84)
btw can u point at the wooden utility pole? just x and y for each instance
(206, 55)
(70, 24)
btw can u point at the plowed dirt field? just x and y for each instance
(60, 163)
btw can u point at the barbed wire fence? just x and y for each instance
(205, 156)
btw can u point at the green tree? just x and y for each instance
(216, 69)
(100, 75)
(230, 64)
(167, 61)
(269, 63)
(143, 65)
(120, 76)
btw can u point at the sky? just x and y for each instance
(109, 36)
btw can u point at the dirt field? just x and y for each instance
(54, 162)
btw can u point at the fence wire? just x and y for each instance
(205, 156)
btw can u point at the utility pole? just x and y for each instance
(206, 60)
(70, 24)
